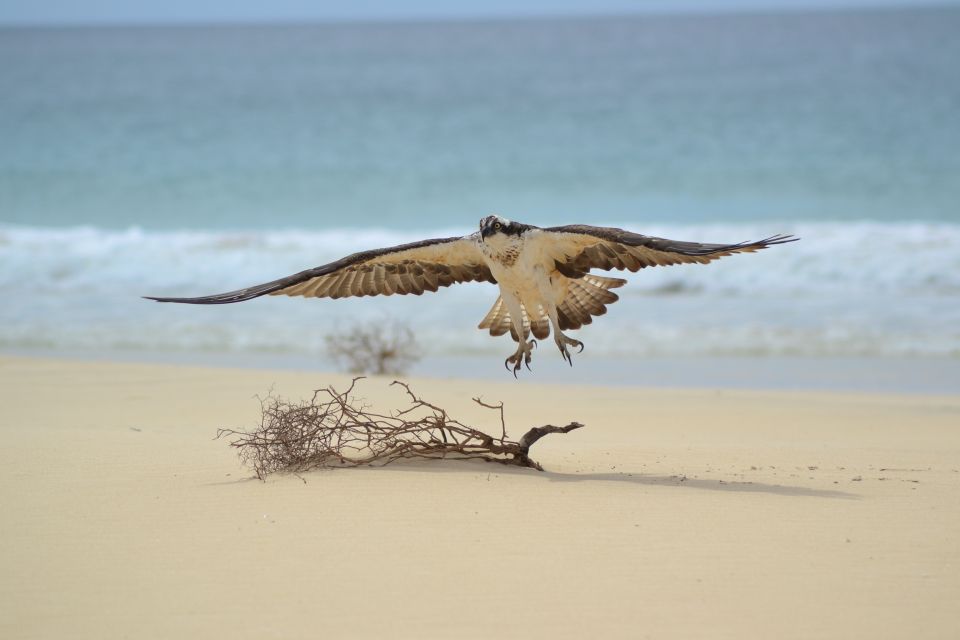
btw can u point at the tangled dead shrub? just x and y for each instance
(379, 348)
(334, 429)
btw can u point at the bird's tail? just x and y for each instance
(497, 319)
(586, 297)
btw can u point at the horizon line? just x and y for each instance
(481, 18)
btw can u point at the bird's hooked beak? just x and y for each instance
(489, 226)
(486, 227)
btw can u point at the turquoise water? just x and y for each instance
(829, 116)
(190, 160)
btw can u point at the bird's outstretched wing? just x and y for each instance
(408, 268)
(579, 248)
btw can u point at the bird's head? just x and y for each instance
(494, 225)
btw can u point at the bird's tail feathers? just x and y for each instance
(586, 297)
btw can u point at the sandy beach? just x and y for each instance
(771, 446)
(673, 514)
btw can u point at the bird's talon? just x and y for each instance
(521, 357)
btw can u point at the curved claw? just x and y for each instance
(520, 358)
(562, 343)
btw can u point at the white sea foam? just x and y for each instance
(844, 289)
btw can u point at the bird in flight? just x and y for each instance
(544, 275)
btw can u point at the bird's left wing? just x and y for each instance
(408, 268)
(579, 248)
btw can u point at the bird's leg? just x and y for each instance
(560, 338)
(520, 333)
(562, 342)
(522, 355)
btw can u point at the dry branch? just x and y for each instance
(334, 429)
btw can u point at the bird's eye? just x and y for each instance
(497, 226)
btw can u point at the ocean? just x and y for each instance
(198, 159)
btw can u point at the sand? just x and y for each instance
(673, 514)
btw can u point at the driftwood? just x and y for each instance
(334, 429)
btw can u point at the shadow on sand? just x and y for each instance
(700, 483)
(643, 479)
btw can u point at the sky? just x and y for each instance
(179, 11)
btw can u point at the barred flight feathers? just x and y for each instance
(408, 268)
(579, 248)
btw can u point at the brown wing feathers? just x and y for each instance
(587, 297)
(609, 248)
(410, 268)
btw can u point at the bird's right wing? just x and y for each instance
(407, 268)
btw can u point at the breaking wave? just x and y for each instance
(845, 289)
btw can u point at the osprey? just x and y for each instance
(544, 275)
